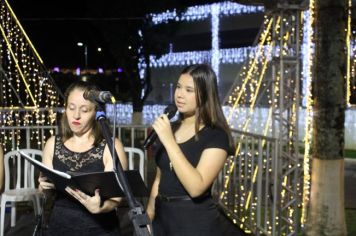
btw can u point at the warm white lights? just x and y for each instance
(28, 95)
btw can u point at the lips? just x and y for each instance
(76, 123)
(179, 104)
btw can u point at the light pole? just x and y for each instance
(80, 44)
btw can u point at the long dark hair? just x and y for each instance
(209, 109)
(66, 132)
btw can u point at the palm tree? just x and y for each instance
(326, 212)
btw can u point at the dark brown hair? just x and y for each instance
(209, 109)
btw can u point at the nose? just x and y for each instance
(179, 93)
(76, 114)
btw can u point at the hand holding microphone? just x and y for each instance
(170, 111)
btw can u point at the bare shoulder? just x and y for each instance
(51, 140)
(1, 156)
(50, 143)
(49, 149)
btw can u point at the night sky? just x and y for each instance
(55, 27)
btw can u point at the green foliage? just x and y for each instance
(350, 221)
(349, 153)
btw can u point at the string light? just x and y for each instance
(227, 56)
(26, 87)
(348, 52)
(308, 52)
(196, 13)
(215, 13)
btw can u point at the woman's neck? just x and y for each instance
(85, 137)
(188, 120)
(80, 142)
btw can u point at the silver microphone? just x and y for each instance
(99, 96)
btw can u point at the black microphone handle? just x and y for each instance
(170, 111)
(152, 136)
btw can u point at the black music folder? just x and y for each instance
(105, 181)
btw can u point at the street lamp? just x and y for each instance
(80, 44)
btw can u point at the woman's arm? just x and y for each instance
(108, 162)
(195, 180)
(154, 192)
(112, 203)
(47, 158)
(2, 170)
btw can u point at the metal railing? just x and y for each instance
(248, 188)
(248, 184)
(35, 137)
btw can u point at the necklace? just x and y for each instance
(183, 133)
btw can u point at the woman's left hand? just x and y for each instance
(92, 203)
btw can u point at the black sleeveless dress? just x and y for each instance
(70, 217)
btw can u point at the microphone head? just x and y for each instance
(90, 95)
(97, 96)
(170, 111)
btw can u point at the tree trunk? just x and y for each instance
(327, 215)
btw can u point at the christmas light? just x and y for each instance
(196, 13)
(26, 86)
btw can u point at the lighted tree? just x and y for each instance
(326, 213)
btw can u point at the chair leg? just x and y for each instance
(13, 214)
(2, 217)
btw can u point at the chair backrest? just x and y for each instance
(136, 160)
(19, 173)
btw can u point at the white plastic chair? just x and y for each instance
(131, 151)
(19, 184)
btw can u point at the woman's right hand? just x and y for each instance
(44, 183)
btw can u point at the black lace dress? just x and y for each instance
(70, 217)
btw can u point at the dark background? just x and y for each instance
(55, 27)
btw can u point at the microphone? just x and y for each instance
(99, 96)
(170, 111)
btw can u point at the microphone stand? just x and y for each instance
(38, 231)
(137, 215)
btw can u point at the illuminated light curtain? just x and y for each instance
(215, 11)
(28, 95)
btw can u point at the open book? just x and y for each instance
(105, 181)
